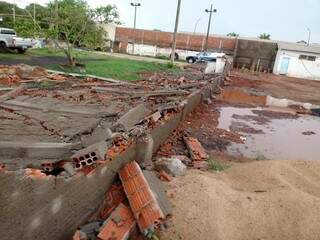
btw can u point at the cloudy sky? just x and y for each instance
(283, 19)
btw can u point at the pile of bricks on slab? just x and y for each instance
(134, 207)
(197, 152)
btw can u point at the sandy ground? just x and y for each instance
(256, 200)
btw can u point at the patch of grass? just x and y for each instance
(100, 65)
(216, 166)
(164, 57)
(45, 52)
(117, 68)
(14, 56)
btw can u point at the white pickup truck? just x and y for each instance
(9, 40)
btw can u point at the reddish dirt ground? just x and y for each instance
(251, 199)
(297, 89)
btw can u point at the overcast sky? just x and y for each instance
(283, 19)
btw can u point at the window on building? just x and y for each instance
(307, 57)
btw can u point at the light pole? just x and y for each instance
(135, 5)
(173, 52)
(209, 24)
(34, 19)
(309, 35)
(196, 25)
(14, 13)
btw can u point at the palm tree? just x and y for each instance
(265, 36)
(233, 34)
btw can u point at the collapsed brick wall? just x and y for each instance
(53, 208)
(164, 39)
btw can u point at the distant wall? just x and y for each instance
(250, 53)
(192, 42)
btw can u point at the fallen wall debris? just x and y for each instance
(56, 196)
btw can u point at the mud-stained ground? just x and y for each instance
(254, 198)
(296, 89)
(257, 200)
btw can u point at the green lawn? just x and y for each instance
(97, 64)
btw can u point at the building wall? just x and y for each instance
(255, 54)
(161, 39)
(297, 67)
(153, 50)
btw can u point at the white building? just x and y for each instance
(298, 60)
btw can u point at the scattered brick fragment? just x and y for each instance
(58, 77)
(201, 165)
(196, 150)
(2, 167)
(163, 176)
(79, 236)
(119, 146)
(119, 225)
(114, 197)
(143, 203)
(35, 173)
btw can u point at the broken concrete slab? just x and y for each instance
(37, 150)
(100, 133)
(13, 93)
(158, 188)
(173, 166)
(134, 116)
(57, 108)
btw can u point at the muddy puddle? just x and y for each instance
(270, 133)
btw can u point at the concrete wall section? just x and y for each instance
(33, 209)
(47, 209)
(161, 133)
(298, 67)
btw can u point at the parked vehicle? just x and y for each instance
(204, 57)
(9, 40)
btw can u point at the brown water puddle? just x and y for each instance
(277, 134)
(239, 96)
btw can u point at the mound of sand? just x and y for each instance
(257, 200)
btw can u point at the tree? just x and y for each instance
(107, 14)
(70, 21)
(233, 34)
(265, 36)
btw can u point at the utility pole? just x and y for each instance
(209, 24)
(14, 13)
(135, 5)
(173, 52)
(309, 35)
(34, 20)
